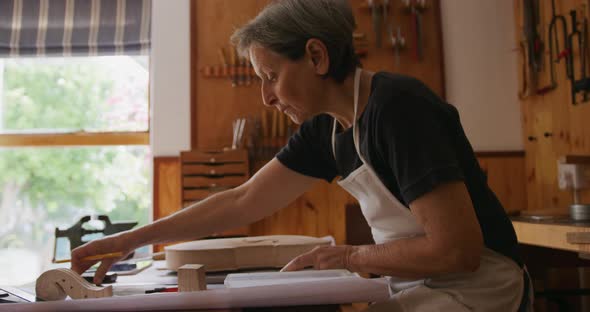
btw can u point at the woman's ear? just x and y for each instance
(318, 54)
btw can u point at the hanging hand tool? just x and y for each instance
(557, 21)
(584, 84)
(416, 7)
(535, 44)
(385, 9)
(529, 79)
(376, 12)
(531, 20)
(533, 52)
(398, 42)
(579, 38)
(417, 16)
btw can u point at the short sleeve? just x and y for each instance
(416, 138)
(309, 150)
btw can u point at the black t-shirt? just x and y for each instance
(414, 141)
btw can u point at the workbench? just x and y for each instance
(552, 233)
(129, 295)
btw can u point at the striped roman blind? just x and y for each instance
(74, 27)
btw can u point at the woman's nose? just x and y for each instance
(268, 97)
(270, 101)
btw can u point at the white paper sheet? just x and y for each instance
(332, 291)
(237, 280)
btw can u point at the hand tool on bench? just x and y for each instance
(95, 257)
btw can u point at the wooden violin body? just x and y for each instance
(229, 254)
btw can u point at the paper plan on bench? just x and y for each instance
(238, 280)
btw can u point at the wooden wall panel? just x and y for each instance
(216, 104)
(322, 211)
(166, 186)
(553, 127)
(319, 212)
(506, 177)
(431, 69)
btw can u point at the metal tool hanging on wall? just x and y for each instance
(398, 42)
(416, 9)
(581, 84)
(378, 15)
(555, 49)
(532, 48)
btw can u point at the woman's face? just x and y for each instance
(292, 87)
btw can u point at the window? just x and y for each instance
(74, 141)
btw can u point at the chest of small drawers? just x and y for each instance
(204, 173)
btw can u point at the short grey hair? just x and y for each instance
(285, 26)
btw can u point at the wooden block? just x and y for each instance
(57, 284)
(191, 277)
(578, 237)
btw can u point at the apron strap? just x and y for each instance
(357, 83)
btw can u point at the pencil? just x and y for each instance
(95, 257)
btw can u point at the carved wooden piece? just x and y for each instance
(227, 254)
(191, 277)
(57, 284)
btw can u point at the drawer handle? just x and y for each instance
(213, 185)
(212, 172)
(212, 160)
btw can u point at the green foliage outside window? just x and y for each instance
(41, 188)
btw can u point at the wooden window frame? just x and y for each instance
(75, 139)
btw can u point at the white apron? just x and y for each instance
(496, 286)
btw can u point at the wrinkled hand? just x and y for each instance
(322, 258)
(110, 244)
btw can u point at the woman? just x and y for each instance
(441, 235)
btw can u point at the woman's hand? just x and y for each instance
(111, 244)
(322, 258)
